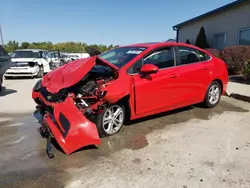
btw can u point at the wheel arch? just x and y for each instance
(220, 82)
(125, 101)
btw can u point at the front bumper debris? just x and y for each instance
(63, 121)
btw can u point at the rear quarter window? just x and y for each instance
(203, 56)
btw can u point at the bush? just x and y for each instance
(246, 70)
(235, 57)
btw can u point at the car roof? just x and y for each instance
(159, 44)
(145, 44)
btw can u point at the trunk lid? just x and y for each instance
(71, 73)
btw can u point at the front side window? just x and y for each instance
(162, 58)
(121, 56)
(187, 55)
(244, 37)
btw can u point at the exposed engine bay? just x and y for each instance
(88, 93)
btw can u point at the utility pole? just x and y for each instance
(1, 35)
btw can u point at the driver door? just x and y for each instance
(154, 92)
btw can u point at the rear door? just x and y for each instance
(194, 73)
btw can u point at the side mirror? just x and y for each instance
(149, 69)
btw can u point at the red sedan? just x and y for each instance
(92, 97)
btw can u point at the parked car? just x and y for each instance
(5, 63)
(91, 98)
(56, 59)
(28, 62)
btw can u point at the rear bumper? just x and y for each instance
(71, 129)
(224, 91)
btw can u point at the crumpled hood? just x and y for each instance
(71, 73)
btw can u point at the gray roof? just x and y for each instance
(230, 5)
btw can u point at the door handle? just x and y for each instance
(173, 75)
(204, 68)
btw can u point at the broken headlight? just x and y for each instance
(32, 64)
(38, 85)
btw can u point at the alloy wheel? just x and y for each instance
(113, 119)
(214, 94)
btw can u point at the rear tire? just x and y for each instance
(213, 95)
(111, 120)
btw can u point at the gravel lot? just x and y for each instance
(190, 147)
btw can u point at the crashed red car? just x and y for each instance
(92, 97)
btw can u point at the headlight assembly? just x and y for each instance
(38, 85)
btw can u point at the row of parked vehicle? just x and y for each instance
(33, 62)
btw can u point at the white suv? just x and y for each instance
(28, 62)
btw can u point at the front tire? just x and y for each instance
(40, 72)
(111, 120)
(213, 95)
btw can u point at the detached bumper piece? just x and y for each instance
(70, 128)
(45, 133)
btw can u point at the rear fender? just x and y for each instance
(71, 129)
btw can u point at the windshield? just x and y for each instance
(26, 54)
(53, 54)
(121, 56)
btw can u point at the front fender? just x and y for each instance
(119, 88)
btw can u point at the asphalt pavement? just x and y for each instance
(189, 147)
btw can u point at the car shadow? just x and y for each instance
(38, 116)
(167, 113)
(6, 91)
(239, 79)
(58, 147)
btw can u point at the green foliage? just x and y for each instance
(235, 57)
(201, 40)
(73, 47)
(11, 46)
(246, 70)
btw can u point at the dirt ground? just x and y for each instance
(189, 147)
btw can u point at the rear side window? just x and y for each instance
(203, 56)
(187, 55)
(190, 55)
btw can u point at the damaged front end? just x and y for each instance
(70, 114)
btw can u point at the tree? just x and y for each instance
(201, 40)
(188, 41)
(11, 46)
(93, 51)
(73, 47)
(25, 45)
